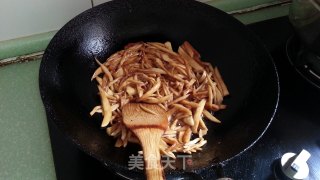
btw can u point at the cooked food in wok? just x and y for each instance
(187, 88)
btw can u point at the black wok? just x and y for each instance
(68, 63)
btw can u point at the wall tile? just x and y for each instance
(19, 18)
(97, 2)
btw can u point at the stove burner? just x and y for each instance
(305, 62)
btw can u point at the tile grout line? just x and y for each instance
(92, 4)
(259, 7)
(21, 59)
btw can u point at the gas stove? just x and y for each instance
(295, 127)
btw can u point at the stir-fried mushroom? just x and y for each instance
(179, 82)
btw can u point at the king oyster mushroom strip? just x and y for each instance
(179, 82)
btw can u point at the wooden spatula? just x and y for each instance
(148, 122)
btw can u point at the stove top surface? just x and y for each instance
(296, 125)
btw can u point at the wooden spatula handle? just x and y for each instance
(150, 139)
